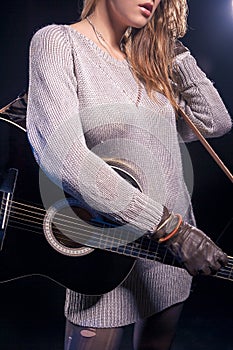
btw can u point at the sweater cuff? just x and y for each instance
(143, 213)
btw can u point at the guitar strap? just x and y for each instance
(207, 146)
(16, 111)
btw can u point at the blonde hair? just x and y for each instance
(88, 8)
(150, 50)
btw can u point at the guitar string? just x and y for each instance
(58, 217)
(34, 217)
(224, 273)
(219, 274)
(36, 208)
(41, 209)
(44, 210)
(41, 221)
(61, 215)
(136, 250)
(143, 250)
(152, 255)
(97, 236)
(116, 239)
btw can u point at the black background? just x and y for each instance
(31, 309)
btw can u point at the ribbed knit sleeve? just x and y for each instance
(199, 99)
(56, 135)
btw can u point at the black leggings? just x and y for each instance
(155, 333)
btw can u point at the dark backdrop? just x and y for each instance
(31, 314)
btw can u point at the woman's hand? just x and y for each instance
(196, 252)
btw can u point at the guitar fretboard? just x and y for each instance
(146, 248)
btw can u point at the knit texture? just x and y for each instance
(82, 111)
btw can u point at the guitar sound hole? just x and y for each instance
(63, 239)
(65, 227)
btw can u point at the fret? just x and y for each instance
(106, 234)
(149, 249)
(110, 236)
(142, 245)
(125, 250)
(138, 245)
(226, 272)
(133, 249)
(133, 252)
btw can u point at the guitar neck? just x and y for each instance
(146, 248)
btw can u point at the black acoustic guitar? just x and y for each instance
(65, 242)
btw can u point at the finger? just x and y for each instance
(205, 270)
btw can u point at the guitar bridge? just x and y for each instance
(7, 188)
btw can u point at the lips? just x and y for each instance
(146, 8)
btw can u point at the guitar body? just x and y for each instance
(25, 249)
(93, 274)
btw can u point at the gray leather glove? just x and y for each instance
(194, 250)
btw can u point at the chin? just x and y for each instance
(140, 23)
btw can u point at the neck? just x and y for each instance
(111, 30)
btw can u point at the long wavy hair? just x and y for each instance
(150, 50)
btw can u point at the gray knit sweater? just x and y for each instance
(81, 110)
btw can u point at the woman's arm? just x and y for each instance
(57, 139)
(198, 97)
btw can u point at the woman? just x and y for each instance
(107, 87)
